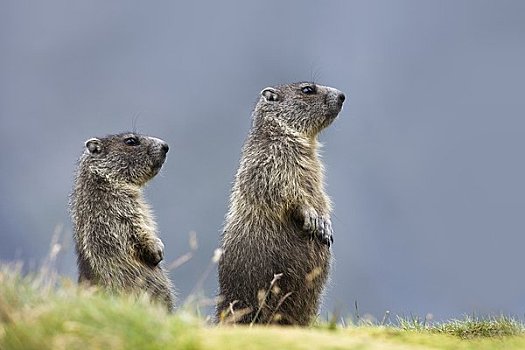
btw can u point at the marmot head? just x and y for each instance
(124, 158)
(306, 108)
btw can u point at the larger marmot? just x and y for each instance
(277, 235)
(115, 235)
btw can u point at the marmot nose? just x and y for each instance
(341, 98)
(165, 147)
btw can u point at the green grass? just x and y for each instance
(46, 312)
(468, 328)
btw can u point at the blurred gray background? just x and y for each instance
(424, 165)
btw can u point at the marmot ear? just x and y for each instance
(94, 146)
(270, 94)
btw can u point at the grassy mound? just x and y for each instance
(38, 312)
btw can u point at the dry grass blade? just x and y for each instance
(275, 278)
(281, 301)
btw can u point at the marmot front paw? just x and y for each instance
(154, 253)
(319, 227)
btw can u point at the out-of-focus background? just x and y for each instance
(424, 165)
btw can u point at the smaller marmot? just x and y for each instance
(114, 230)
(277, 235)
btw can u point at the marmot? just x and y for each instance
(278, 226)
(114, 230)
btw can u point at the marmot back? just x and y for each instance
(278, 225)
(115, 233)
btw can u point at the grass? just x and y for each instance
(43, 311)
(469, 328)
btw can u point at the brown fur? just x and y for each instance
(279, 216)
(115, 234)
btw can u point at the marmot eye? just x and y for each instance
(308, 90)
(131, 141)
